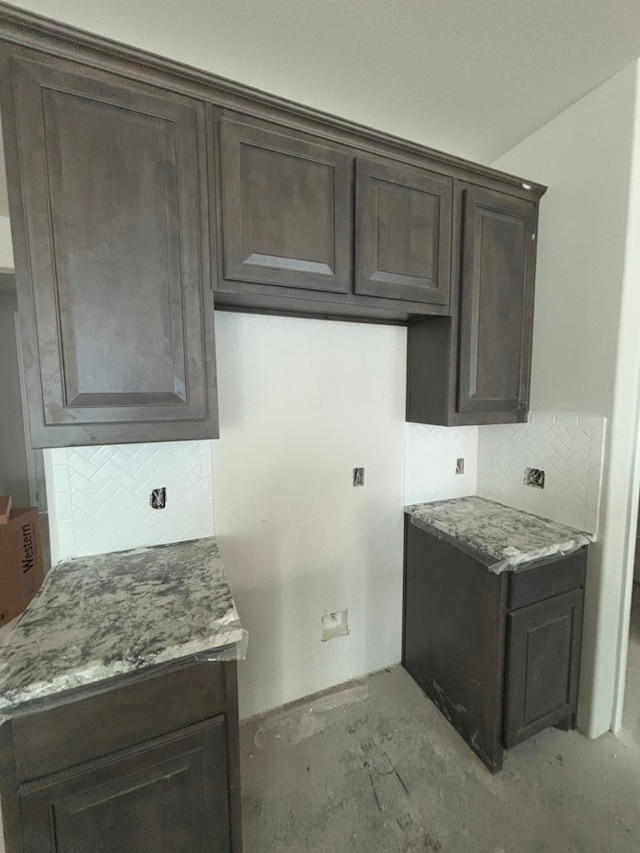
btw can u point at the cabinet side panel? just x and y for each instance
(430, 355)
(453, 634)
(233, 753)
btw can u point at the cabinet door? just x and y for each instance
(403, 232)
(497, 302)
(542, 665)
(286, 209)
(169, 795)
(111, 238)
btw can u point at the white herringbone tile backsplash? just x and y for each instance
(99, 496)
(430, 454)
(569, 448)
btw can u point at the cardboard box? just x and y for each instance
(5, 508)
(21, 565)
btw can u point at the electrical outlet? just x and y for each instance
(460, 465)
(534, 477)
(358, 476)
(158, 498)
(335, 625)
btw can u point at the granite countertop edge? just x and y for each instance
(456, 521)
(95, 673)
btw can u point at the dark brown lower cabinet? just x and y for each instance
(175, 792)
(499, 655)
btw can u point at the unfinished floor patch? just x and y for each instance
(303, 720)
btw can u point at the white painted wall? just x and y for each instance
(302, 403)
(6, 248)
(584, 155)
(586, 342)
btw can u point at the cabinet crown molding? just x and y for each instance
(27, 29)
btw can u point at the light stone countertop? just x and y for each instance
(114, 614)
(500, 537)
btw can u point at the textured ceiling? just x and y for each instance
(471, 77)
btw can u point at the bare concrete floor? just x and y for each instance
(377, 769)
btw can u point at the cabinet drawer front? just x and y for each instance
(542, 665)
(286, 209)
(547, 579)
(168, 795)
(497, 302)
(86, 728)
(403, 232)
(112, 265)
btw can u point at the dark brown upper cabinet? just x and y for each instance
(286, 209)
(109, 209)
(474, 367)
(403, 232)
(496, 312)
(289, 230)
(139, 189)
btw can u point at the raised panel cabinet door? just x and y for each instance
(496, 316)
(403, 232)
(169, 795)
(110, 224)
(286, 209)
(542, 665)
